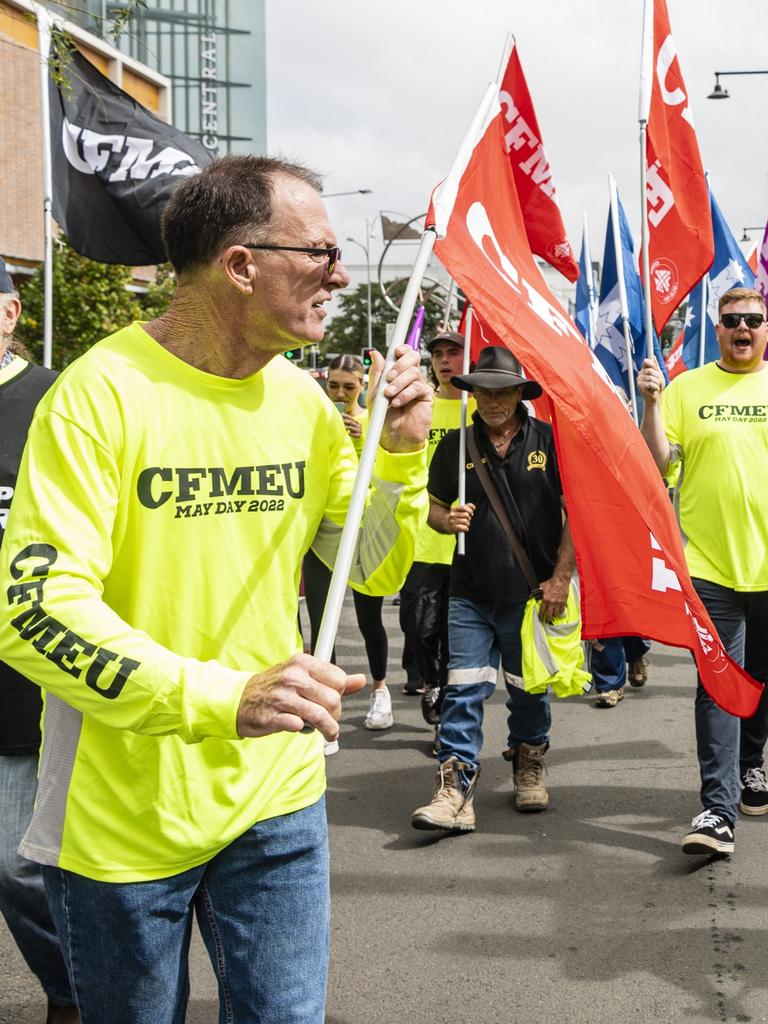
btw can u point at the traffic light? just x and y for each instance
(296, 355)
(367, 356)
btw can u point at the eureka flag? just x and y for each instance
(533, 175)
(114, 167)
(729, 270)
(609, 343)
(632, 570)
(677, 205)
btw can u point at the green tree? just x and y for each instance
(90, 300)
(348, 331)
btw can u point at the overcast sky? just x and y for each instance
(379, 93)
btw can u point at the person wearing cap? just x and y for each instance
(23, 901)
(424, 595)
(488, 589)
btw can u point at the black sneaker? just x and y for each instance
(431, 700)
(754, 792)
(710, 833)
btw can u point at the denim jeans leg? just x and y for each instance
(754, 730)
(609, 665)
(472, 668)
(263, 911)
(23, 902)
(717, 732)
(529, 717)
(126, 944)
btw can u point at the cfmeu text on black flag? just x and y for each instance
(114, 167)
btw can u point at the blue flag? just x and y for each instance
(584, 287)
(609, 345)
(729, 270)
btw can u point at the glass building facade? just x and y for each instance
(213, 52)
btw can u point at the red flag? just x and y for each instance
(752, 260)
(681, 245)
(674, 358)
(533, 175)
(633, 576)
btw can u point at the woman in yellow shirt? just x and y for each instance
(345, 385)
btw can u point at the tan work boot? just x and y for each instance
(451, 808)
(528, 765)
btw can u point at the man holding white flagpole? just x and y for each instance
(154, 599)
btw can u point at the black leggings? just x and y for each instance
(317, 580)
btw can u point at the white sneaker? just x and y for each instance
(380, 712)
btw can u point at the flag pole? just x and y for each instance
(623, 296)
(44, 47)
(591, 290)
(349, 535)
(448, 304)
(646, 88)
(509, 44)
(703, 318)
(460, 539)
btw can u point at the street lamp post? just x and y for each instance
(719, 93)
(367, 250)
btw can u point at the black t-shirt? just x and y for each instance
(20, 700)
(528, 483)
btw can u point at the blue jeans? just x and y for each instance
(22, 895)
(262, 906)
(609, 666)
(728, 746)
(480, 638)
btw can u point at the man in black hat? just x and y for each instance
(23, 903)
(489, 590)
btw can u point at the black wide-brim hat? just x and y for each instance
(497, 368)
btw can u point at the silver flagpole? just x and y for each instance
(646, 88)
(44, 47)
(703, 318)
(630, 348)
(460, 539)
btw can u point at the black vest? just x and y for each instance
(20, 700)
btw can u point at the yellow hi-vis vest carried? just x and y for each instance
(553, 654)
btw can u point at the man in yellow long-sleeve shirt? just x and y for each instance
(154, 599)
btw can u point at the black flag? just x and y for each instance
(115, 165)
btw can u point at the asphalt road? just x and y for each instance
(586, 914)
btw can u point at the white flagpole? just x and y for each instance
(646, 89)
(460, 539)
(623, 296)
(349, 535)
(703, 318)
(506, 53)
(44, 47)
(591, 290)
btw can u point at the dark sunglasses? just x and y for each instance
(732, 320)
(332, 254)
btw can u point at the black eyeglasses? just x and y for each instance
(332, 254)
(732, 320)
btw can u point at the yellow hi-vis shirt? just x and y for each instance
(432, 547)
(150, 567)
(717, 425)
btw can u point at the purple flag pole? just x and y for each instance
(414, 335)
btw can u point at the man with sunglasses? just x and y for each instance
(154, 598)
(714, 422)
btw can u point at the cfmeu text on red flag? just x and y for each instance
(632, 571)
(681, 244)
